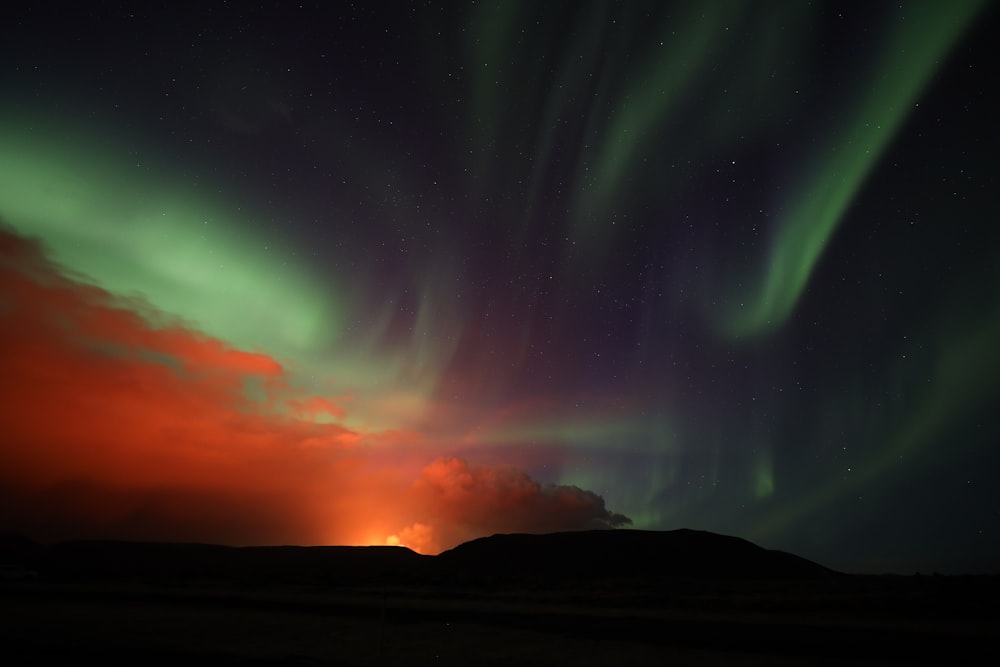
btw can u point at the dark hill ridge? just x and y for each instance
(285, 564)
(626, 554)
(556, 558)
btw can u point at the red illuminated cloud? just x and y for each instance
(114, 426)
(470, 501)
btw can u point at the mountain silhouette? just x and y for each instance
(554, 559)
(625, 555)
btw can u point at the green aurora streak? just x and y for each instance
(911, 55)
(964, 365)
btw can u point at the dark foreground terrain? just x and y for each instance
(595, 598)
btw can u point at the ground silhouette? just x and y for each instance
(586, 598)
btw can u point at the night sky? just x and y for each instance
(413, 273)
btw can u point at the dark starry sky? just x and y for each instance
(728, 266)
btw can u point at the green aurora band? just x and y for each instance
(911, 55)
(168, 238)
(137, 229)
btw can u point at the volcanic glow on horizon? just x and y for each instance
(412, 276)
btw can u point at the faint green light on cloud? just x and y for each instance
(763, 478)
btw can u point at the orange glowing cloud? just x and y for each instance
(119, 422)
(469, 501)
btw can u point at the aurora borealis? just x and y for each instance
(415, 273)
